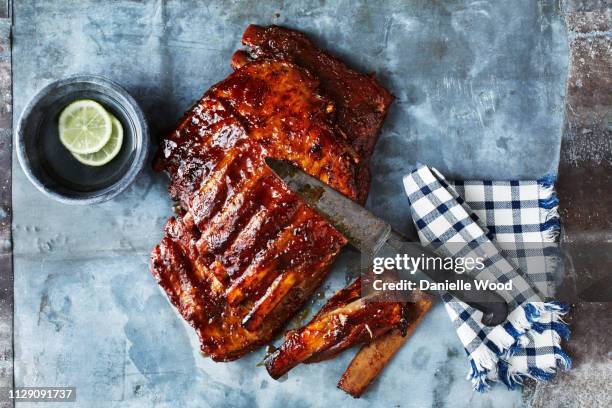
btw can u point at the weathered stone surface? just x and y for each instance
(584, 186)
(6, 247)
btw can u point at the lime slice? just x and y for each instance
(108, 151)
(84, 126)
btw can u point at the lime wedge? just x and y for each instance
(84, 126)
(108, 151)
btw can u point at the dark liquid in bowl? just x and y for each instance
(61, 166)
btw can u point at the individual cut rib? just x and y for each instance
(244, 253)
(372, 358)
(346, 320)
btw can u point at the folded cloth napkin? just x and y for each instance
(513, 226)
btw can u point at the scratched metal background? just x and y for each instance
(481, 93)
(6, 256)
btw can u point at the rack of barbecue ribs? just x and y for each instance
(244, 253)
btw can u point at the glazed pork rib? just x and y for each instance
(346, 320)
(244, 253)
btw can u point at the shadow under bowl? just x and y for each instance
(53, 169)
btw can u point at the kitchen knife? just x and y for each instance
(371, 235)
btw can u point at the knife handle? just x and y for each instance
(490, 303)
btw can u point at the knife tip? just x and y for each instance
(282, 168)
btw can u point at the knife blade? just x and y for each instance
(364, 231)
(370, 234)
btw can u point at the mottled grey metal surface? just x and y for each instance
(480, 95)
(6, 246)
(584, 185)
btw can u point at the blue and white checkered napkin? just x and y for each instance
(513, 225)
